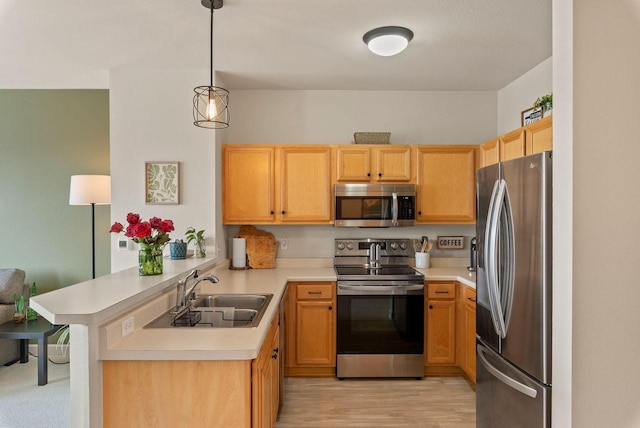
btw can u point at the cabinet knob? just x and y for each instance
(419, 212)
(430, 306)
(276, 350)
(275, 356)
(282, 212)
(272, 212)
(368, 174)
(379, 174)
(330, 308)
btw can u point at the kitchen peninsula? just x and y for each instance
(96, 310)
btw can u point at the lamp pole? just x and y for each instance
(93, 240)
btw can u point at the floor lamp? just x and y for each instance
(90, 190)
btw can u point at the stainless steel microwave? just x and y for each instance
(375, 205)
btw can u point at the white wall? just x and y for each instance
(331, 117)
(521, 94)
(606, 203)
(151, 120)
(562, 303)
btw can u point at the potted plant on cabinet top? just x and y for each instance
(546, 102)
(198, 238)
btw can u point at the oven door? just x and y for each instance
(379, 319)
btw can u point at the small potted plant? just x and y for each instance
(546, 102)
(18, 315)
(197, 237)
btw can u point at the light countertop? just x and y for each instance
(109, 300)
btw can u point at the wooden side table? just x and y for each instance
(39, 329)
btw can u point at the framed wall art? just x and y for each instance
(530, 115)
(162, 183)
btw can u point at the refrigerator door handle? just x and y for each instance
(491, 256)
(509, 260)
(524, 389)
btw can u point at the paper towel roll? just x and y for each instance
(239, 259)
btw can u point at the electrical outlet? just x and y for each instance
(127, 326)
(450, 242)
(284, 244)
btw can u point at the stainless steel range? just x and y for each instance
(380, 329)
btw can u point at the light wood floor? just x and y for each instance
(327, 402)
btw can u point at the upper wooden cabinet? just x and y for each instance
(276, 184)
(248, 192)
(490, 152)
(512, 145)
(373, 163)
(446, 184)
(539, 135)
(305, 184)
(534, 138)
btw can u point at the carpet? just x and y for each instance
(24, 404)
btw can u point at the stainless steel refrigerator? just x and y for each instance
(513, 321)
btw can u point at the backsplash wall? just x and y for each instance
(317, 240)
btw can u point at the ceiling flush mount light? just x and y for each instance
(387, 41)
(210, 103)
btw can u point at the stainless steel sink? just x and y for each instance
(218, 311)
(242, 301)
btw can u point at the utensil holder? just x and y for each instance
(422, 260)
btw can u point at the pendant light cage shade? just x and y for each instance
(211, 107)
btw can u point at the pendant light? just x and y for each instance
(388, 41)
(210, 103)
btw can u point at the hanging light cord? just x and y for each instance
(211, 50)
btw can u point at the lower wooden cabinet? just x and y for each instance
(238, 393)
(469, 361)
(440, 341)
(265, 381)
(311, 329)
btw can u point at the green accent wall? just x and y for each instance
(46, 136)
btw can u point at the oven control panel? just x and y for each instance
(360, 247)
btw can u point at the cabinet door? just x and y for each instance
(539, 135)
(490, 152)
(248, 184)
(441, 332)
(512, 145)
(305, 184)
(353, 164)
(261, 390)
(392, 164)
(316, 340)
(446, 184)
(275, 377)
(470, 339)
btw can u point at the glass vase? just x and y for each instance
(149, 260)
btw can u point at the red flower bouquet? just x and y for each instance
(152, 236)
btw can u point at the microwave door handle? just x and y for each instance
(394, 208)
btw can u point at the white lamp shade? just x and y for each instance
(90, 189)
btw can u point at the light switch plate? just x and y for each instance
(450, 242)
(123, 244)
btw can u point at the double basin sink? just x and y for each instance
(218, 311)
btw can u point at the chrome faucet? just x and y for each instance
(183, 293)
(374, 256)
